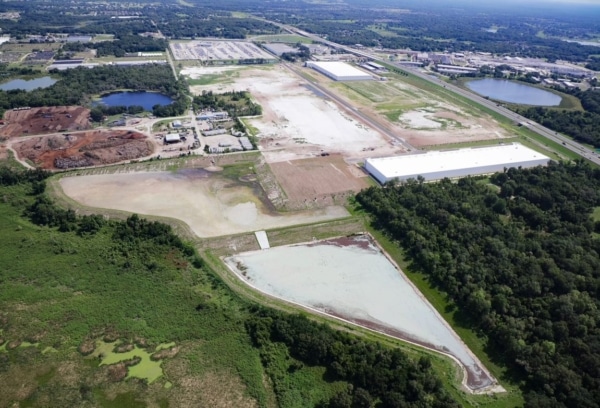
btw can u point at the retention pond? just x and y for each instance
(28, 85)
(144, 99)
(513, 92)
(352, 279)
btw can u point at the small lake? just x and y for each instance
(145, 99)
(513, 92)
(28, 84)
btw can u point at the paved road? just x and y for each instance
(568, 143)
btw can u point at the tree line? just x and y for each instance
(374, 373)
(76, 87)
(235, 103)
(520, 259)
(123, 45)
(583, 126)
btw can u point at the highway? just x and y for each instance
(568, 143)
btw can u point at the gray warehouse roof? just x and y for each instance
(436, 165)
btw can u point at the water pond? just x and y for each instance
(28, 84)
(351, 279)
(145, 99)
(147, 369)
(513, 92)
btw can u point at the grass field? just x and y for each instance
(62, 289)
(282, 38)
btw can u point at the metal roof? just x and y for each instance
(412, 165)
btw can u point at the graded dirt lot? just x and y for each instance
(296, 122)
(45, 120)
(210, 204)
(83, 149)
(314, 182)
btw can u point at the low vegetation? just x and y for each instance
(84, 278)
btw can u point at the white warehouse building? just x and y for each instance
(339, 71)
(436, 165)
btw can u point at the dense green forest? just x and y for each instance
(121, 46)
(76, 86)
(87, 274)
(430, 26)
(375, 372)
(581, 126)
(235, 103)
(520, 258)
(433, 26)
(172, 19)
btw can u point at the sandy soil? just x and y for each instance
(419, 119)
(83, 149)
(45, 120)
(296, 123)
(211, 205)
(441, 124)
(350, 278)
(426, 119)
(319, 179)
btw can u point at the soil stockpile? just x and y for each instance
(45, 120)
(97, 147)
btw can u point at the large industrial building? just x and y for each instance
(436, 165)
(339, 71)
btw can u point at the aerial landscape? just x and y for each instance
(297, 203)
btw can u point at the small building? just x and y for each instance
(176, 124)
(436, 165)
(213, 116)
(245, 142)
(279, 48)
(214, 132)
(172, 138)
(375, 65)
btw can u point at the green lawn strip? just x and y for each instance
(252, 130)
(596, 214)
(281, 38)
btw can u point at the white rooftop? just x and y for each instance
(339, 69)
(449, 161)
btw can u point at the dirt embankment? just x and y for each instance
(93, 148)
(51, 119)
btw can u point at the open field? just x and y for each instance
(82, 149)
(63, 290)
(210, 204)
(316, 181)
(282, 38)
(350, 278)
(418, 116)
(44, 120)
(296, 122)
